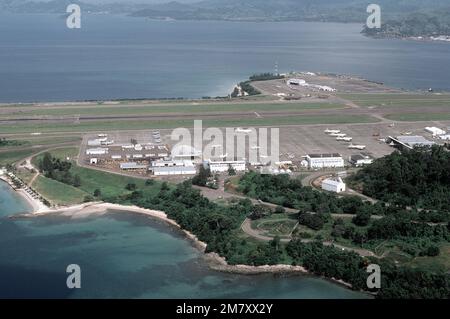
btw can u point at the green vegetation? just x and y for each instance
(414, 25)
(287, 192)
(58, 170)
(285, 10)
(396, 282)
(167, 108)
(265, 77)
(58, 193)
(247, 88)
(13, 156)
(410, 100)
(411, 117)
(419, 177)
(8, 143)
(408, 230)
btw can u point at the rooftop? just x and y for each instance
(324, 155)
(415, 141)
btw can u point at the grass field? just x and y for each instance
(399, 99)
(191, 108)
(112, 125)
(438, 263)
(58, 193)
(412, 117)
(10, 157)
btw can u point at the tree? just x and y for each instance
(231, 171)
(362, 218)
(432, 251)
(76, 181)
(47, 163)
(97, 193)
(165, 186)
(280, 210)
(130, 186)
(259, 211)
(149, 182)
(88, 198)
(201, 179)
(313, 221)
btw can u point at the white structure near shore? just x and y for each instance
(334, 185)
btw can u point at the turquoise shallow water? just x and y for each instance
(123, 255)
(10, 201)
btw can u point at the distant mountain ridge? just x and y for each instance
(242, 10)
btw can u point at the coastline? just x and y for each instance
(213, 260)
(35, 204)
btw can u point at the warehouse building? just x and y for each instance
(445, 137)
(435, 131)
(132, 166)
(223, 166)
(173, 170)
(334, 185)
(171, 167)
(410, 141)
(325, 160)
(171, 163)
(97, 151)
(362, 159)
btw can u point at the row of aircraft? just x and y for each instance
(343, 137)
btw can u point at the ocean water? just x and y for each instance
(114, 57)
(11, 202)
(122, 255)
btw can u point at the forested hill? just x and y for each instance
(248, 10)
(418, 177)
(415, 25)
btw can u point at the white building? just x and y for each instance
(296, 82)
(223, 166)
(171, 167)
(334, 185)
(325, 160)
(93, 161)
(445, 137)
(132, 165)
(97, 151)
(361, 160)
(171, 163)
(96, 142)
(173, 170)
(412, 141)
(435, 131)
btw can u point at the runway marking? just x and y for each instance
(258, 115)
